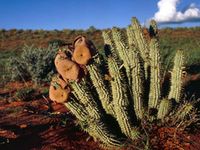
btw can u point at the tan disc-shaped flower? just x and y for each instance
(58, 94)
(68, 69)
(82, 52)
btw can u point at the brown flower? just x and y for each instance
(68, 69)
(58, 94)
(83, 50)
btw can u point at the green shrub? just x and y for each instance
(34, 63)
(4, 58)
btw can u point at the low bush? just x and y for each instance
(34, 64)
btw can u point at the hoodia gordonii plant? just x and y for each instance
(114, 96)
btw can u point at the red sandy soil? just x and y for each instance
(168, 138)
(38, 124)
(41, 124)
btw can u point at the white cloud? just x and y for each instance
(167, 12)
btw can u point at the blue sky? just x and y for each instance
(79, 14)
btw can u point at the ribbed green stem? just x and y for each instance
(123, 50)
(137, 74)
(164, 108)
(155, 77)
(176, 76)
(141, 43)
(96, 128)
(100, 131)
(131, 36)
(85, 97)
(102, 90)
(184, 110)
(120, 100)
(108, 40)
(77, 109)
(139, 39)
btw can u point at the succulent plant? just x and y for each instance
(112, 110)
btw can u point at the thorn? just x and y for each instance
(121, 66)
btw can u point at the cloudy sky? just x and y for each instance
(81, 14)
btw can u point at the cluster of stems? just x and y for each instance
(110, 109)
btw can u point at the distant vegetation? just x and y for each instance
(12, 43)
(185, 38)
